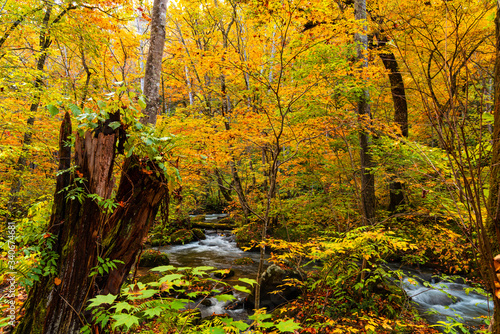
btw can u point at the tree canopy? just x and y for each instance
(351, 133)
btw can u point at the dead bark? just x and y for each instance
(84, 231)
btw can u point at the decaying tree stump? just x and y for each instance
(85, 231)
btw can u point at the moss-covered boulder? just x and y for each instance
(198, 234)
(184, 236)
(153, 258)
(181, 237)
(272, 280)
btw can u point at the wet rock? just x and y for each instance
(272, 280)
(181, 237)
(206, 302)
(198, 233)
(236, 305)
(184, 236)
(153, 258)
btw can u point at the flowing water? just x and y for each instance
(219, 250)
(456, 300)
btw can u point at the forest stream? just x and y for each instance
(219, 250)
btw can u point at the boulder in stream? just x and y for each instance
(184, 236)
(153, 258)
(273, 291)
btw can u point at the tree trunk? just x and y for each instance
(367, 177)
(22, 161)
(396, 188)
(494, 198)
(153, 63)
(45, 40)
(85, 231)
(226, 192)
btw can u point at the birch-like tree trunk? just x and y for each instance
(367, 177)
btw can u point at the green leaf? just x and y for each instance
(102, 299)
(122, 306)
(178, 304)
(287, 326)
(153, 312)
(101, 318)
(124, 319)
(240, 325)
(216, 330)
(241, 288)
(248, 280)
(225, 298)
(129, 153)
(162, 269)
(114, 125)
(170, 278)
(144, 294)
(142, 102)
(260, 317)
(75, 109)
(101, 104)
(52, 110)
(202, 270)
(178, 175)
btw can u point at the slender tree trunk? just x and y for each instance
(367, 177)
(22, 162)
(152, 76)
(494, 197)
(396, 188)
(45, 40)
(226, 192)
(494, 193)
(84, 231)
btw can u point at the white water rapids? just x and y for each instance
(219, 250)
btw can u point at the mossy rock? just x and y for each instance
(157, 242)
(226, 220)
(243, 261)
(181, 237)
(198, 233)
(153, 258)
(213, 226)
(198, 219)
